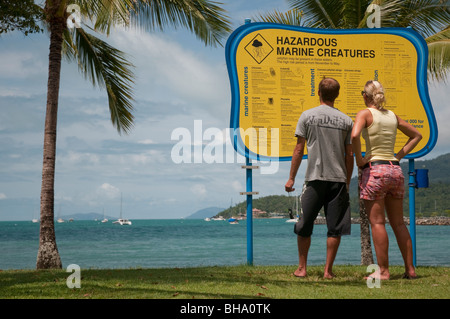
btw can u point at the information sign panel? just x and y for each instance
(275, 70)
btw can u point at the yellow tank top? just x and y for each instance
(380, 135)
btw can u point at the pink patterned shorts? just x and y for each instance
(381, 180)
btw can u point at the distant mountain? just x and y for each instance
(204, 213)
(87, 216)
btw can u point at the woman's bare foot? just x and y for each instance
(328, 275)
(378, 275)
(409, 276)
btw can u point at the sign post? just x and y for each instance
(275, 69)
(412, 206)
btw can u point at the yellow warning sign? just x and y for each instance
(275, 74)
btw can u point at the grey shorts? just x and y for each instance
(334, 198)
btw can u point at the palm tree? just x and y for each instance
(106, 66)
(430, 18)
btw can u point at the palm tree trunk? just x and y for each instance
(366, 248)
(48, 255)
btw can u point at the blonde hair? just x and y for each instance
(375, 94)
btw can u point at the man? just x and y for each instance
(326, 131)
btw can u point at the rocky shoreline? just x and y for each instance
(436, 221)
(441, 221)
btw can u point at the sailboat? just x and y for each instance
(122, 221)
(59, 220)
(104, 220)
(293, 219)
(35, 220)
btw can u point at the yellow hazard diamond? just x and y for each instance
(258, 48)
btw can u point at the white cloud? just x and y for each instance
(439, 95)
(165, 67)
(77, 158)
(199, 189)
(146, 142)
(20, 65)
(237, 186)
(108, 191)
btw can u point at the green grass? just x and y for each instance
(233, 282)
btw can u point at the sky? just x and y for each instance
(180, 85)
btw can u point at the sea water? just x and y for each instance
(192, 243)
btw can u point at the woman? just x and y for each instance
(382, 183)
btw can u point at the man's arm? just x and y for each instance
(295, 163)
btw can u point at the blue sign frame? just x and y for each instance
(407, 33)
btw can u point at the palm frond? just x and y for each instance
(291, 17)
(352, 13)
(425, 16)
(439, 55)
(319, 13)
(388, 12)
(104, 14)
(106, 67)
(206, 19)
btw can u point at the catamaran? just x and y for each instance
(122, 221)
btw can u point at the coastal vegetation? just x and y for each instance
(430, 202)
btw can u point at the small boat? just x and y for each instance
(35, 220)
(59, 220)
(122, 221)
(218, 218)
(207, 219)
(233, 220)
(104, 220)
(291, 217)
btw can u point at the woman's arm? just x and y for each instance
(360, 123)
(413, 134)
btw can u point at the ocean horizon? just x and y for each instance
(171, 243)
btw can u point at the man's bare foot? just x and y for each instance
(300, 272)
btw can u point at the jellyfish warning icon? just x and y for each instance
(258, 48)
